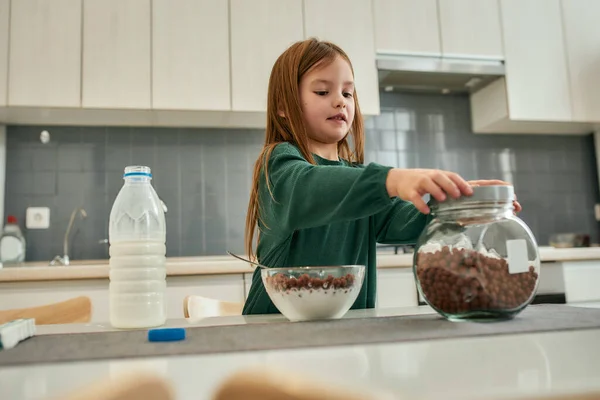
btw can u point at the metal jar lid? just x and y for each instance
(481, 194)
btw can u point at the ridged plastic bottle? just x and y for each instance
(137, 236)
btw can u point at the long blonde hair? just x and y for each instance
(284, 99)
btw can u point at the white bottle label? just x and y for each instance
(518, 261)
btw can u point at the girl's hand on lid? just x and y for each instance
(412, 184)
(491, 182)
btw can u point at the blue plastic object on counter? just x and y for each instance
(166, 334)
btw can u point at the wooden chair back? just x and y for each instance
(198, 307)
(76, 310)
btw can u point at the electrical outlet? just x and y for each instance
(37, 218)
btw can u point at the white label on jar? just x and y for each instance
(517, 256)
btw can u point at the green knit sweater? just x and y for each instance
(332, 213)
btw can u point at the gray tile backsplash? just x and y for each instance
(203, 175)
(554, 176)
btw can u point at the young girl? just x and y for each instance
(313, 201)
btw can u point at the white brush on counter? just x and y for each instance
(13, 332)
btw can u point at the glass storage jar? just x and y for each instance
(476, 259)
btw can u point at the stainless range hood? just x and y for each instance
(436, 74)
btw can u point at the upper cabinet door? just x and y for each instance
(406, 27)
(190, 55)
(582, 35)
(45, 53)
(536, 68)
(349, 24)
(471, 28)
(116, 54)
(260, 31)
(4, 17)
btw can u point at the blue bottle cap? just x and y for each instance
(166, 334)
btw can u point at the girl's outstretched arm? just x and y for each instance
(400, 223)
(303, 195)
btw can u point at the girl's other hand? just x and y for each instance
(490, 182)
(412, 184)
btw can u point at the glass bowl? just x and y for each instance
(313, 293)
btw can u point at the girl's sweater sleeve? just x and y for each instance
(400, 223)
(303, 195)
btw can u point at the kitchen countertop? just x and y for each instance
(514, 366)
(213, 265)
(60, 329)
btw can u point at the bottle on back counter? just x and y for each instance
(137, 236)
(12, 242)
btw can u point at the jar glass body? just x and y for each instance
(477, 261)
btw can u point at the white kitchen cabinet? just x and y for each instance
(581, 281)
(4, 18)
(260, 31)
(536, 68)
(535, 95)
(396, 287)
(45, 53)
(227, 287)
(470, 28)
(247, 284)
(116, 54)
(582, 36)
(490, 114)
(551, 279)
(407, 27)
(349, 24)
(190, 55)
